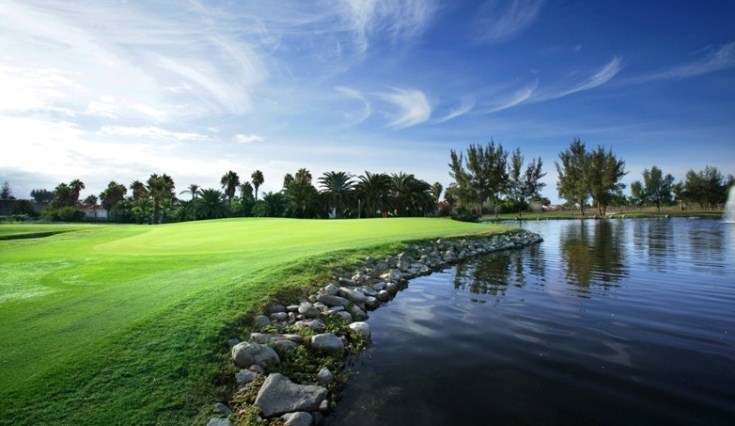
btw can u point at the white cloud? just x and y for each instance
(413, 107)
(722, 58)
(602, 76)
(501, 20)
(245, 139)
(151, 132)
(364, 113)
(466, 105)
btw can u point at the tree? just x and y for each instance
(337, 186)
(6, 193)
(91, 200)
(42, 196)
(603, 177)
(524, 185)
(246, 191)
(706, 187)
(139, 190)
(273, 204)
(572, 185)
(230, 181)
(193, 189)
(211, 205)
(637, 195)
(436, 191)
(161, 190)
(481, 175)
(257, 179)
(373, 189)
(63, 197)
(301, 197)
(112, 195)
(76, 186)
(657, 187)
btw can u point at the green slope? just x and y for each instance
(123, 324)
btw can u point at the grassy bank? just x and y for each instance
(125, 324)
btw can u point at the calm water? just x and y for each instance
(606, 322)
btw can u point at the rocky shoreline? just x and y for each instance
(290, 369)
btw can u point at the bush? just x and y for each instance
(64, 214)
(464, 215)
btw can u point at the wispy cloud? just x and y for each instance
(151, 132)
(364, 113)
(413, 107)
(245, 139)
(602, 76)
(402, 19)
(466, 105)
(719, 59)
(502, 20)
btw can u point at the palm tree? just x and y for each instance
(139, 190)
(257, 178)
(161, 190)
(410, 195)
(76, 186)
(337, 186)
(301, 196)
(436, 191)
(113, 194)
(193, 189)
(246, 191)
(230, 181)
(373, 188)
(303, 175)
(211, 205)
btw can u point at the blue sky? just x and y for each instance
(116, 90)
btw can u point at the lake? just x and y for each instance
(606, 322)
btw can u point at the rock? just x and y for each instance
(327, 343)
(262, 321)
(372, 302)
(353, 296)
(232, 343)
(392, 288)
(308, 310)
(383, 296)
(222, 408)
(333, 300)
(357, 313)
(245, 376)
(279, 395)
(330, 289)
(283, 346)
(361, 328)
(315, 324)
(246, 354)
(219, 422)
(279, 316)
(324, 376)
(344, 316)
(292, 308)
(334, 309)
(299, 418)
(255, 368)
(275, 308)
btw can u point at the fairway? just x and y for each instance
(122, 324)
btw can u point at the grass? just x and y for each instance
(126, 324)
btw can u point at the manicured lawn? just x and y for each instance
(126, 324)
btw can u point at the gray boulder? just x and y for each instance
(327, 343)
(308, 310)
(222, 408)
(352, 295)
(324, 377)
(333, 300)
(246, 354)
(283, 346)
(297, 419)
(245, 376)
(279, 395)
(314, 324)
(357, 313)
(219, 422)
(361, 328)
(262, 321)
(330, 289)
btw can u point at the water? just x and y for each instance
(730, 206)
(606, 322)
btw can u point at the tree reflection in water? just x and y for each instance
(592, 254)
(493, 274)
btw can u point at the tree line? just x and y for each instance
(484, 177)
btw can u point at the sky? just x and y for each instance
(103, 90)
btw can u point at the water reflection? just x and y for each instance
(654, 241)
(593, 254)
(493, 274)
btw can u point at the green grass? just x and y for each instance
(126, 324)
